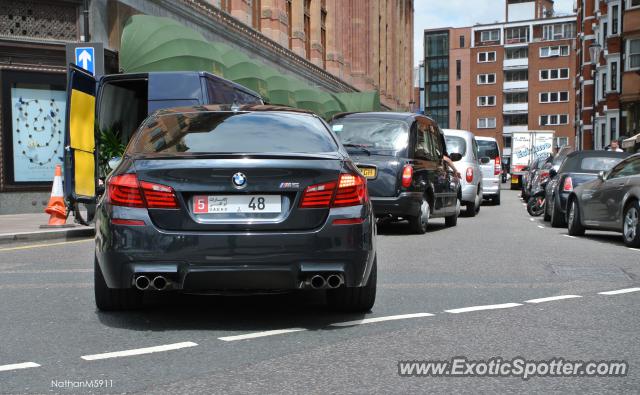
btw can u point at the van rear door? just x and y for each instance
(80, 140)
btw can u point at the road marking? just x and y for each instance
(44, 245)
(381, 319)
(552, 298)
(532, 219)
(619, 291)
(540, 226)
(485, 307)
(16, 366)
(139, 351)
(260, 334)
(569, 236)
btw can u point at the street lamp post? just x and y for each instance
(594, 52)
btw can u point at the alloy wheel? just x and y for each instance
(630, 224)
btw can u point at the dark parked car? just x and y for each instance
(528, 175)
(578, 168)
(401, 154)
(250, 200)
(610, 202)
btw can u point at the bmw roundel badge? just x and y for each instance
(239, 180)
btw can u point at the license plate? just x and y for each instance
(225, 204)
(368, 172)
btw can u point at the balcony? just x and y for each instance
(515, 108)
(516, 128)
(516, 85)
(521, 63)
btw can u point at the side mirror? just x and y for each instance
(485, 160)
(601, 175)
(456, 156)
(114, 162)
(553, 173)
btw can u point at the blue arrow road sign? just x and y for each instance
(85, 58)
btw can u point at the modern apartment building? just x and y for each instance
(498, 78)
(608, 81)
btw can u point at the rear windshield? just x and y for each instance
(488, 148)
(233, 132)
(456, 144)
(374, 134)
(589, 164)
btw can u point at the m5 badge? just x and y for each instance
(289, 185)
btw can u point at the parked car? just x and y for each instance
(610, 202)
(401, 154)
(464, 143)
(491, 169)
(250, 200)
(540, 172)
(579, 167)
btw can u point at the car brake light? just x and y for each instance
(125, 190)
(498, 168)
(407, 176)
(568, 185)
(350, 190)
(127, 222)
(469, 174)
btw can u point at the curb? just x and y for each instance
(47, 235)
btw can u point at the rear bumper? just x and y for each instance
(491, 186)
(403, 205)
(233, 261)
(469, 192)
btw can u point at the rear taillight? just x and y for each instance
(498, 166)
(125, 190)
(568, 185)
(350, 190)
(469, 174)
(407, 176)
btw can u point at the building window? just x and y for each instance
(561, 141)
(559, 31)
(33, 105)
(614, 76)
(517, 53)
(307, 28)
(516, 119)
(486, 123)
(486, 57)
(436, 49)
(604, 85)
(633, 3)
(633, 54)
(557, 50)
(458, 120)
(486, 101)
(605, 31)
(486, 79)
(461, 41)
(490, 35)
(458, 95)
(516, 98)
(555, 119)
(554, 74)
(516, 35)
(554, 97)
(323, 33)
(290, 23)
(615, 19)
(458, 69)
(516, 75)
(613, 127)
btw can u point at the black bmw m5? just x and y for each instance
(255, 200)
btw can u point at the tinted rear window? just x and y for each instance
(589, 164)
(488, 148)
(233, 132)
(374, 134)
(456, 144)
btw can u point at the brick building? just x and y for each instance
(334, 45)
(498, 78)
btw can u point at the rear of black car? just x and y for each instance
(247, 201)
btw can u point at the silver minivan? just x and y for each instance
(464, 143)
(491, 165)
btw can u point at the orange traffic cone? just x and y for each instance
(56, 208)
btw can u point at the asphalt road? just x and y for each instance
(223, 344)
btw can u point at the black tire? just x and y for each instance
(547, 216)
(357, 299)
(420, 223)
(108, 299)
(533, 209)
(574, 226)
(452, 220)
(631, 225)
(470, 209)
(496, 199)
(557, 218)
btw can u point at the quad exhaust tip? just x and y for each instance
(142, 283)
(334, 281)
(318, 282)
(160, 283)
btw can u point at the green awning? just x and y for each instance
(359, 101)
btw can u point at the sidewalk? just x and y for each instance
(26, 227)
